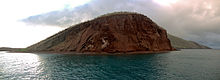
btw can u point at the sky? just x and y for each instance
(25, 22)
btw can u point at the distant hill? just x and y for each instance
(11, 49)
(5, 49)
(180, 43)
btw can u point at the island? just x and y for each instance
(118, 32)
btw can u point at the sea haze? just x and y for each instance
(187, 64)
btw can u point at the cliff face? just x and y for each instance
(124, 32)
(179, 43)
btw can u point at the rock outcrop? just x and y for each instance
(116, 32)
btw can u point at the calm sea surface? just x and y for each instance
(188, 64)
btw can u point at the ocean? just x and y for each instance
(187, 64)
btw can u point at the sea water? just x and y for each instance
(187, 64)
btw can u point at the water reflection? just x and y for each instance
(178, 65)
(13, 64)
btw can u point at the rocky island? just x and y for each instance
(111, 33)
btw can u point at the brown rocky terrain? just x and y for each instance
(116, 32)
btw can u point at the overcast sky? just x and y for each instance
(28, 21)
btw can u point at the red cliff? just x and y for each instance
(116, 32)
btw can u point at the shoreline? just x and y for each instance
(92, 53)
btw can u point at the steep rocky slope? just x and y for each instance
(116, 32)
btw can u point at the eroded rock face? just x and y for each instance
(112, 33)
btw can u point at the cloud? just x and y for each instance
(67, 17)
(196, 20)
